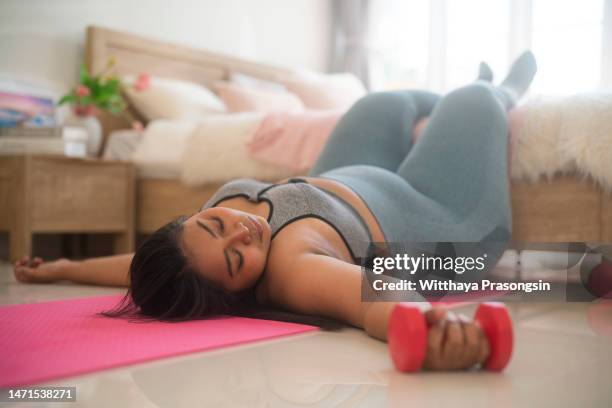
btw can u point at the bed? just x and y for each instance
(564, 208)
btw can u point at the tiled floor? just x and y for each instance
(559, 361)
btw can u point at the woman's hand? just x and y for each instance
(453, 342)
(37, 271)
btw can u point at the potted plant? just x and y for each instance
(96, 93)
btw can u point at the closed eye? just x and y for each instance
(220, 222)
(238, 254)
(240, 259)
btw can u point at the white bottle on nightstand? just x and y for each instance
(75, 141)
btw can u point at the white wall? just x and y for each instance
(42, 40)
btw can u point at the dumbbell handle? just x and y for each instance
(407, 336)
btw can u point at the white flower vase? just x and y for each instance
(92, 126)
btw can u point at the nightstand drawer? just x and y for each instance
(57, 194)
(78, 195)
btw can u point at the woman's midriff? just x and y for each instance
(351, 198)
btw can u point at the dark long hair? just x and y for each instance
(163, 286)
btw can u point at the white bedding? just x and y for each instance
(216, 151)
(563, 135)
(160, 153)
(211, 150)
(121, 145)
(156, 153)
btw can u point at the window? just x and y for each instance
(477, 30)
(398, 43)
(567, 40)
(438, 44)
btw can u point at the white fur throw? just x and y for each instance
(565, 135)
(216, 151)
(160, 152)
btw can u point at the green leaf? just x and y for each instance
(116, 104)
(113, 83)
(85, 100)
(93, 85)
(68, 98)
(84, 75)
(103, 97)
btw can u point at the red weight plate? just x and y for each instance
(497, 326)
(407, 337)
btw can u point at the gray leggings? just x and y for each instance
(451, 186)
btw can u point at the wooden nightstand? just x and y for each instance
(57, 194)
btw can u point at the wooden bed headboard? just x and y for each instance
(135, 54)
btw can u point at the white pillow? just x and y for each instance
(325, 91)
(173, 99)
(248, 81)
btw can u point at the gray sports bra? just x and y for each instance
(298, 199)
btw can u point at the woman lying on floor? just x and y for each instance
(295, 245)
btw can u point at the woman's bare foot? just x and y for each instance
(37, 271)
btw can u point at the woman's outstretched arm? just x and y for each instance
(103, 271)
(325, 286)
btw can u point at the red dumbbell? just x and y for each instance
(407, 336)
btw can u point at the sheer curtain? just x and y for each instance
(399, 43)
(349, 38)
(568, 46)
(437, 44)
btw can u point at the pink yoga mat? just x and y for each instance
(47, 341)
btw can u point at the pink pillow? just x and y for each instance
(240, 99)
(330, 91)
(293, 141)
